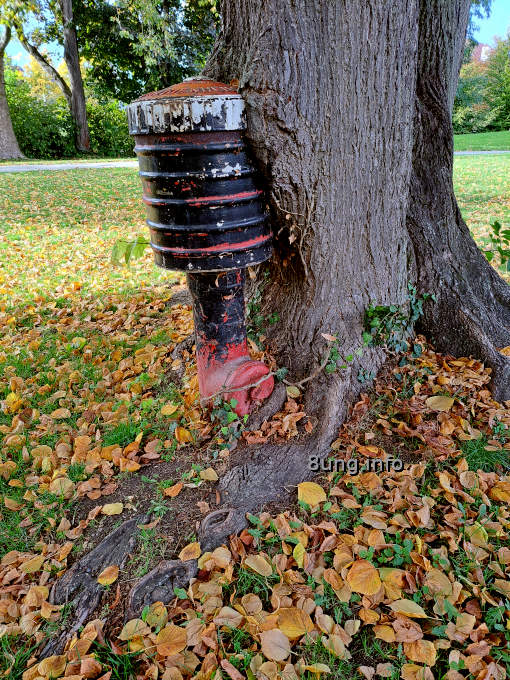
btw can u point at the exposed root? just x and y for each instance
(159, 584)
(79, 585)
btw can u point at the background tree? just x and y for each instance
(41, 21)
(349, 115)
(8, 144)
(498, 83)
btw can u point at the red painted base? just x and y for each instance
(234, 374)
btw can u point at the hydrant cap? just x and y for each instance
(197, 104)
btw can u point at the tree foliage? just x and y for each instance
(157, 43)
(43, 124)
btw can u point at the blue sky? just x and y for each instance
(497, 24)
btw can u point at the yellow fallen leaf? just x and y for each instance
(133, 628)
(183, 435)
(421, 651)
(259, 564)
(112, 508)
(310, 493)
(439, 403)
(209, 475)
(293, 391)
(13, 402)
(317, 668)
(108, 575)
(408, 608)
(500, 492)
(171, 640)
(190, 552)
(32, 565)
(299, 554)
(169, 409)
(53, 666)
(363, 578)
(294, 622)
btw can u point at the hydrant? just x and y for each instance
(207, 217)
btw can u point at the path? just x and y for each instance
(25, 167)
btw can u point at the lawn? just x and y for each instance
(483, 141)
(482, 187)
(100, 421)
(59, 229)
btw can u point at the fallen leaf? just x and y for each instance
(190, 552)
(439, 403)
(363, 578)
(274, 645)
(171, 640)
(310, 493)
(259, 564)
(408, 608)
(108, 575)
(112, 508)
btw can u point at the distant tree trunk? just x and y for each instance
(349, 108)
(45, 65)
(9, 147)
(72, 59)
(472, 312)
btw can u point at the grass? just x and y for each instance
(482, 187)
(483, 141)
(479, 457)
(59, 230)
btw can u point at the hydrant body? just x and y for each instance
(207, 217)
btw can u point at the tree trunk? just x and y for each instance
(72, 59)
(45, 65)
(472, 312)
(9, 147)
(349, 108)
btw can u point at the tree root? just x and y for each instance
(79, 586)
(159, 584)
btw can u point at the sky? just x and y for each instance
(497, 24)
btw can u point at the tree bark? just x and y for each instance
(472, 314)
(72, 59)
(349, 117)
(9, 147)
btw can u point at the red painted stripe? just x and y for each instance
(206, 199)
(227, 247)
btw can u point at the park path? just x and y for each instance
(32, 167)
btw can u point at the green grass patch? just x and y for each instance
(482, 188)
(483, 141)
(478, 457)
(59, 230)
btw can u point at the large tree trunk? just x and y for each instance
(9, 147)
(348, 110)
(72, 59)
(472, 312)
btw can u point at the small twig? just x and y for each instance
(312, 375)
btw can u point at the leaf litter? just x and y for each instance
(376, 574)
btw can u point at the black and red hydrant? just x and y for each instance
(206, 214)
